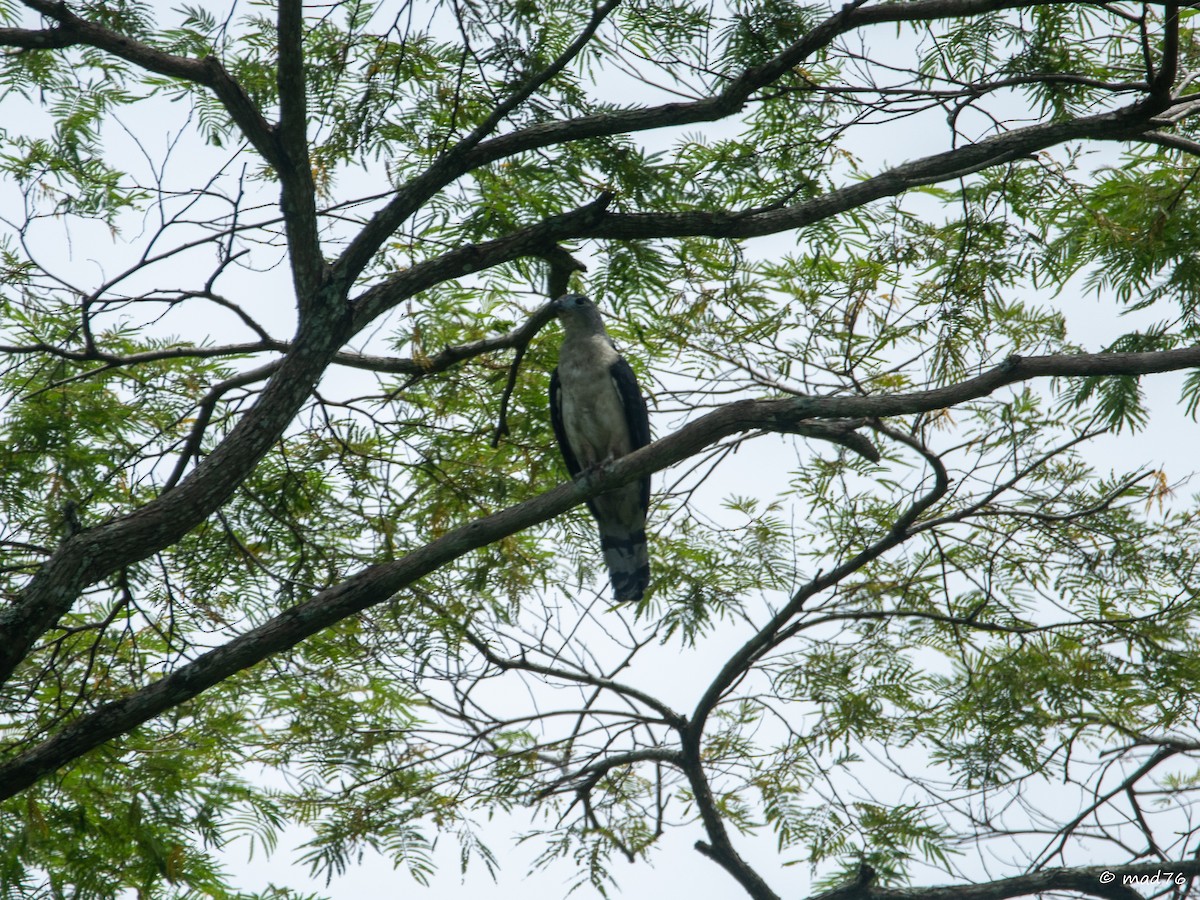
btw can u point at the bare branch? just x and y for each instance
(775, 631)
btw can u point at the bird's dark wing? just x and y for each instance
(560, 433)
(637, 419)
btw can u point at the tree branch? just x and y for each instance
(729, 101)
(204, 412)
(452, 164)
(721, 849)
(1164, 80)
(97, 551)
(1094, 881)
(72, 30)
(1126, 123)
(594, 771)
(298, 192)
(672, 718)
(90, 555)
(469, 155)
(769, 635)
(533, 240)
(594, 221)
(561, 264)
(398, 365)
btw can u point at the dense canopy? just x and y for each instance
(286, 543)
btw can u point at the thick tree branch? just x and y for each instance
(600, 740)
(298, 194)
(452, 165)
(735, 95)
(1127, 123)
(594, 221)
(1106, 882)
(470, 153)
(89, 554)
(533, 240)
(720, 848)
(1164, 79)
(72, 30)
(92, 554)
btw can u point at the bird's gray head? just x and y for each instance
(578, 314)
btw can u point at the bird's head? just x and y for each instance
(578, 314)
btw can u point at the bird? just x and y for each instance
(599, 415)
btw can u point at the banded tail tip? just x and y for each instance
(628, 561)
(630, 587)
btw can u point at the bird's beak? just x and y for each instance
(559, 306)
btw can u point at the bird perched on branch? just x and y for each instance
(599, 415)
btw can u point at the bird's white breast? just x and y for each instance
(592, 413)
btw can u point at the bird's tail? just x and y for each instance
(628, 562)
